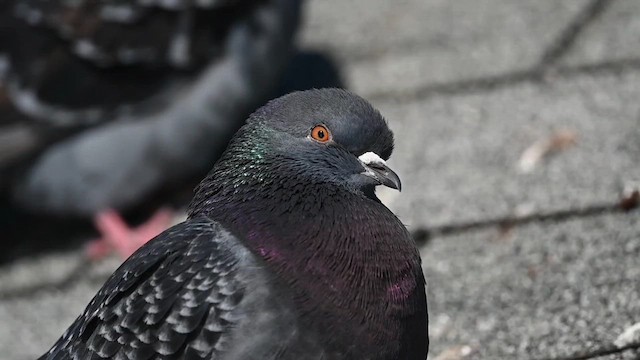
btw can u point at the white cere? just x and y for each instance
(371, 158)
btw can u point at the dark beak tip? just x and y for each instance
(384, 176)
(393, 181)
(389, 178)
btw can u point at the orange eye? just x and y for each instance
(321, 134)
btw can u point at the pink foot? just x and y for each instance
(118, 236)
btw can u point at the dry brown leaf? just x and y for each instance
(630, 196)
(455, 353)
(558, 141)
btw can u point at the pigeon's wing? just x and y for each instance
(191, 293)
(72, 62)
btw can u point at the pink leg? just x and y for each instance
(118, 236)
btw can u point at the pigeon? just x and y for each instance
(103, 103)
(286, 253)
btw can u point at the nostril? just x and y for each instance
(377, 166)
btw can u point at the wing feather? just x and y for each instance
(172, 297)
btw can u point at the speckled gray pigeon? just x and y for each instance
(103, 102)
(286, 254)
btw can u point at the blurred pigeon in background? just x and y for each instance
(287, 253)
(102, 103)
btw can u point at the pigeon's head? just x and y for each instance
(324, 136)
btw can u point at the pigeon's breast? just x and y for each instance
(348, 264)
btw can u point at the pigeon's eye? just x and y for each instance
(320, 134)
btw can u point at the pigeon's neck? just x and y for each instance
(327, 243)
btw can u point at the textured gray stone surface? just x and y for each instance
(40, 297)
(543, 290)
(613, 36)
(397, 45)
(458, 155)
(467, 89)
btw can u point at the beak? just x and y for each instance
(377, 169)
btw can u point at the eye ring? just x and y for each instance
(320, 133)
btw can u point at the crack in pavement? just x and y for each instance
(537, 73)
(610, 350)
(568, 37)
(422, 235)
(494, 82)
(553, 52)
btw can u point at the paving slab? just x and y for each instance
(612, 36)
(389, 45)
(544, 290)
(40, 297)
(458, 155)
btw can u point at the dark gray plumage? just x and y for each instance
(102, 103)
(286, 254)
